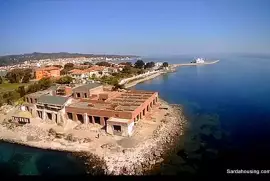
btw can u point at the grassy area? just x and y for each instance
(9, 87)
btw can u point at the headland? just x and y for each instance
(153, 135)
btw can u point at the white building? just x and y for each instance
(158, 64)
(199, 60)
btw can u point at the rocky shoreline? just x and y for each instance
(152, 152)
(128, 161)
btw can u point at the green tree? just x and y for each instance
(140, 71)
(45, 83)
(117, 86)
(1, 80)
(106, 64)
(127, 70)
(19, 75)
(11, 97)
(59, 66)
(33, 88)
(149, 65)
(139, 64)
(93, 77)
(64, 80)
(126, 64)
(12, 77)
(64, 71)
(26, 78)
(165, 64)
(21, 91)
(88, 63)
(68, 66)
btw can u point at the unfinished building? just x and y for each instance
(117, 112)
(85, 91)
(50, 107)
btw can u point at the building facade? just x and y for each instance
(116, 112)
(47, 72)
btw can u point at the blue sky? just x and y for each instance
(142, 27)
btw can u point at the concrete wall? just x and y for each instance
(124, 129)
(55, 73)
(98, 113)
(28, 99)
(96, 90)
(88, 92)
(55, 115)
(47, 73)
(150, 102)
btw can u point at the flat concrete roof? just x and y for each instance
(56, 100)
(87, 87)
(87, 105)
(125, 102)
(39, 93)
(119, 120)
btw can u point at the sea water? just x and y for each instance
(228, 112)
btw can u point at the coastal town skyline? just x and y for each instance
(138, 28)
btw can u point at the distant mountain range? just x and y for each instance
(14, 59)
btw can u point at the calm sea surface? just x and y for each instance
(228, 110)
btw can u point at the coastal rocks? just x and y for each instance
(71, 138)
(167, 114)
(60, 135)
(6, 108)
(31, 130)
(52, 132)
(87, 140)
(108, 146)
(32, 138)
(157, 153)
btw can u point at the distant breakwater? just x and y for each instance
(195, 64)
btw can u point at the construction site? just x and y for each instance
(117, 112)
(126, 128)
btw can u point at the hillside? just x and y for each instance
(14, 59)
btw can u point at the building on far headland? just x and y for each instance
(198, 60)
(47, 72)
(117, 112)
